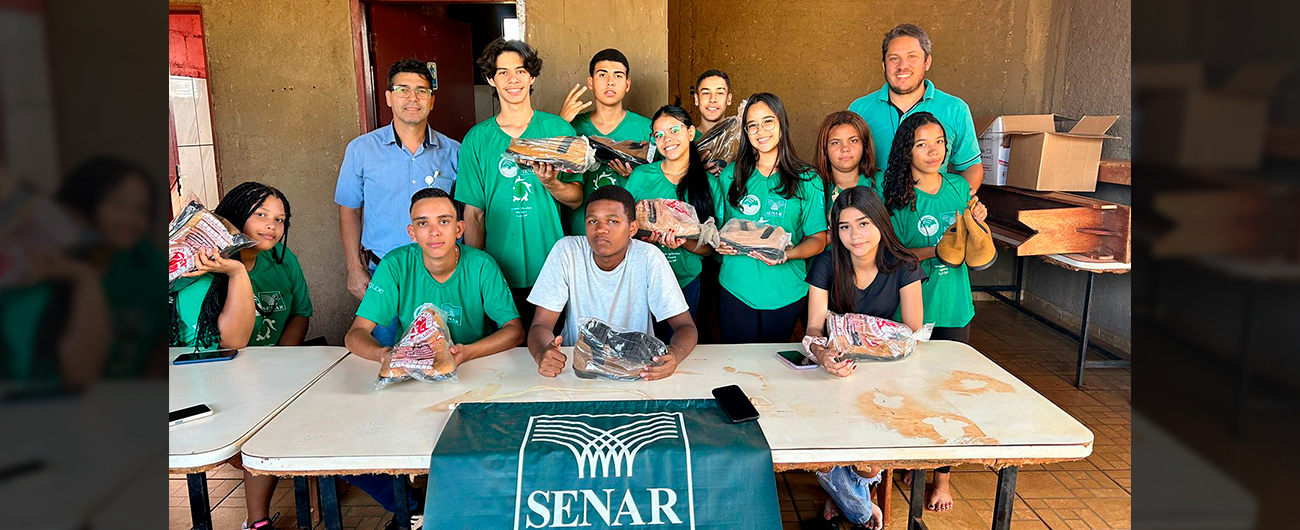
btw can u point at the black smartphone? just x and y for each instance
(177, 417)
(735, 403)
(206, 356)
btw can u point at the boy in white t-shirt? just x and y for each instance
(610, 276)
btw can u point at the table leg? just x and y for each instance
(1020, 276)
(884, 494)
(302, 502)
(1247, 352)
(1006, 497)
(1083, 329)
(200, 510)
(400, 493)
(917, 504)
(329, 503)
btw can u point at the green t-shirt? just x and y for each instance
(634, 127)
(946, 295)
(24, 356)
(521, 218)
(139, 322)
(836, 191)
(280, 293)
(755, 283)
(648, 182)
(475, 292)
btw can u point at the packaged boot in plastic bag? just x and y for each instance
(867, 338)
(611, 352)
(662, 215)
(571, 154)
(748, 236)
(631, 152)
(196, 228)
(721, 144)
(423, 353)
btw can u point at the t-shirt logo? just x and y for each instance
(523, 190)
(927, 225)
(508, 167)
(606, 178)
(604, 485)
(749, 205)
(268, 326)
(270, 301)
(947, 219)
(775, 208)
(452, 313)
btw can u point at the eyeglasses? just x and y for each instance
(674, 130)
(404, 91)
(768, 123)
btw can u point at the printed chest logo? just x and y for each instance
(927, 225)
(453, 314)
(605, 178)
(270, 301)
(602, 485)
(521, 189)
(749, 205)
(775, 208)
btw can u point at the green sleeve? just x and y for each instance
(497, 300)
(965, 144)
(469, 183)
(381, 300)
(301, 294)
(814, 211)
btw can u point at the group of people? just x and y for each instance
(516, 254)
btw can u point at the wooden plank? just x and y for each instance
(1115, 172)
(1060, 223)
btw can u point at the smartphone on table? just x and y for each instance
(177, 417)
(225, 354)
(735, 403)
(797, 360)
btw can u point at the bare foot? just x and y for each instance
(874, 523)
(830, 510)
(938, 498)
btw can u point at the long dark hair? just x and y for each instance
(237, 206)
(890, 253)
(694, 187)
(788, 165)
(899, 187)
(866, 166)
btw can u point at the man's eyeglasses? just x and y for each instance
(768, 124)
(403, 91)
(674, 130)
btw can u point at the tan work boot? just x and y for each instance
(951, 250)
(980, 251)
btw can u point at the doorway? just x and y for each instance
(449, 35)
(192, 148)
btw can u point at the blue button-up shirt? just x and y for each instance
(380, 175)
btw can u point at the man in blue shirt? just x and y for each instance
(382, 169)
(906, 58)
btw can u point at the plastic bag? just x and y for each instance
(196, 228)
(571, 154)
(866, 338)
(722, 143)
(747, 236)
(32, 223)
(661, 215)
(633, 153)
(424, 353)
(607, 351)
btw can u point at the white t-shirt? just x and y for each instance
(627, 297)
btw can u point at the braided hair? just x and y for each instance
(899, 187)
(237, 206)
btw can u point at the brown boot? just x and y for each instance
(980, 251)
(951, 250)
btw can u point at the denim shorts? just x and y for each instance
(852, 492)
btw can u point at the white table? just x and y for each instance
(244, 393)
(948, 404)
(1073, 262)
(68, 455)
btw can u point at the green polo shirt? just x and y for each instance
(475, 293)
(946, 294)
(521, 218)
(883, 117)
(757, 284)
(634, 127)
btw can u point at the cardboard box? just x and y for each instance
(1187, 124)
(1026, 151)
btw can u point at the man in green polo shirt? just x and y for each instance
(461, 281)
(906, 59)
(609, 79)
(513, 211)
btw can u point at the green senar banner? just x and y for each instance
(676, 464)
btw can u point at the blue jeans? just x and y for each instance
(385, 335)
(851, 492)
(380, 488)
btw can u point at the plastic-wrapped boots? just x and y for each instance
(980, 251)
(951, 250)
